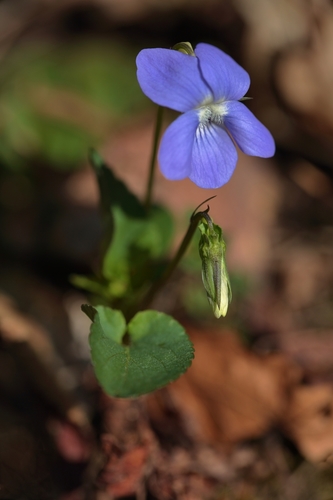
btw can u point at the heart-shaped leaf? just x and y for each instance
(134, 359)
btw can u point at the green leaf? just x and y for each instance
(130, 260)
(92, 284)
(158, 232)
(133, 239)
(89, 310)
(113, 192)
(134, 359)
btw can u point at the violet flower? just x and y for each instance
(206, 87)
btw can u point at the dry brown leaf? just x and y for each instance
(124, 470)
(231, 394)
(309, 421)
(312, 348)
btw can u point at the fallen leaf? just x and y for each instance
(308, 421)
(230, 393)
(124, 469)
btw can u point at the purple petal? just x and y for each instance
(227, 80)
(171, 78)
(176, 147)
(214, 157)
(249, 133)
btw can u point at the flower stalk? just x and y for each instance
(152, 163)
(156, 287)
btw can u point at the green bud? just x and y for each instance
(214, 272)
(185, 48)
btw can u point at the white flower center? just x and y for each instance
(212, 113)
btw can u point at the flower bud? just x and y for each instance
(214, 272)
(185, 48)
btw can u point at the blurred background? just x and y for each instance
(253, 418)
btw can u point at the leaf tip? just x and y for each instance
(89, 310)
(95, 159)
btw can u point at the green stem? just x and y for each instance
(195, 219)
(152, 162)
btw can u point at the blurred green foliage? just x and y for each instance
(56, 101)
